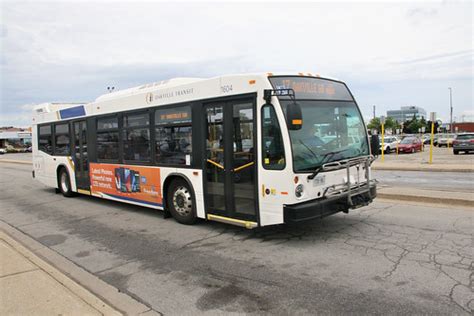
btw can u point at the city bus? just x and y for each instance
(250, 149)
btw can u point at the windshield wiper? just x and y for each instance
(325, 156)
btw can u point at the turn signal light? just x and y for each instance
(296, 179)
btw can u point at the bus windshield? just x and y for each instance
(331, 131)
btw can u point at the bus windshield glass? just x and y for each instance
(332, 128)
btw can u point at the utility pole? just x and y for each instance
(451, 108)
(374, 111)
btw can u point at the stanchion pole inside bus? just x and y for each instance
(432, 117)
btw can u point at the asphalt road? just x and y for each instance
(443, 181)
(381, 259)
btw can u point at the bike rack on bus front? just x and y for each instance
(348, 188)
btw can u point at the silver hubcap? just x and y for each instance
(64, 182)
(182, 201)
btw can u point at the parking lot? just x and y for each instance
(441, 155)
(388, 258)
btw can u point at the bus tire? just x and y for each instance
(64, 183)
(181, 202)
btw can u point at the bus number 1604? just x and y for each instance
(226, 88)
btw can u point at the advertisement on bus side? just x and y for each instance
(126, 183)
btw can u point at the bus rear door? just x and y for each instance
(81, 160)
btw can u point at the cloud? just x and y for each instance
(421, 12)
(20, 118)
(71, 51)
(467, 53)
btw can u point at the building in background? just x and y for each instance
(461, 127)
(406, 113)
(15, 138)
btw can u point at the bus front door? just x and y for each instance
(80, 155)
(230, 165)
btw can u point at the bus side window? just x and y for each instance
(62, 140)
(45, 139)
(107, 138)
(173, 130)
(273, 152)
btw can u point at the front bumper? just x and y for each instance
(462, 148)
(326, 206)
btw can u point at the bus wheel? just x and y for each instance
(181, 202)
(65, 183)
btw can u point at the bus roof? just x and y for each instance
(176, 82)
(169, 91)
(169, 83)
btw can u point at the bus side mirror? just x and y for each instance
(294, 117)
(374, 145)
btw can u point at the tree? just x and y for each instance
(423, 121)
(413, 126)
(374, 124)
(392, 124)
(428, 127)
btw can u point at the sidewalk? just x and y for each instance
(443, 161)
(29, 285)
(35, 280)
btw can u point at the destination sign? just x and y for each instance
(177, 115)
(311, 88)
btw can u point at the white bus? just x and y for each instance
(250, 150)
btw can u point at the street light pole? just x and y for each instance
(451, 108)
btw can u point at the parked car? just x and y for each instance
(463, 142)
(445, 140)
(426, 139)
(29, 149)
(409, 145)
(390, 144)
(3, 151)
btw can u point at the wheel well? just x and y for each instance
(168, 182)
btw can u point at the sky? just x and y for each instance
(391, 54)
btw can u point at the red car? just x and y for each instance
(409, 145)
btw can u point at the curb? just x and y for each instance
(421, 168)
(86, 285)
(425, 199)
(16, 161)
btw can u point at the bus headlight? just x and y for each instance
(299, 190)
